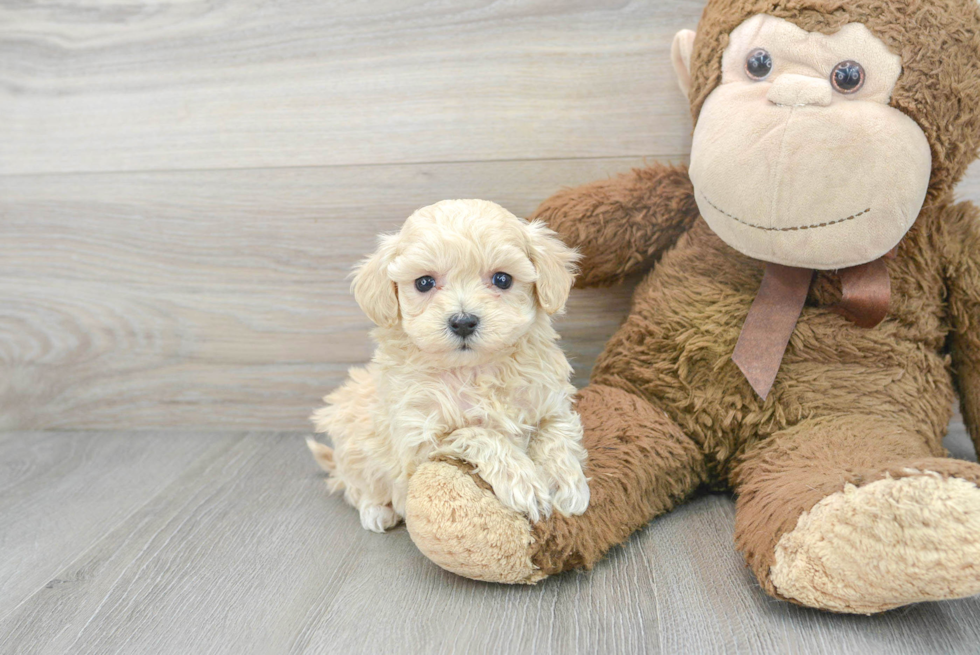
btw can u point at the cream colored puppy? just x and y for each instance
(467, 366)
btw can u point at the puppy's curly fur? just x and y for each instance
(499, 398)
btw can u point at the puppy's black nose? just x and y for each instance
(463, 324)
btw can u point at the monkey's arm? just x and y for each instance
(623, 224)
(961, 243)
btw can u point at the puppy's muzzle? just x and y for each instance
(463, 325)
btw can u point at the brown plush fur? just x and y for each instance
(880, 398)
(640, 462)
(667, 410)
(850, 405)
(632, 220)
(961, 249)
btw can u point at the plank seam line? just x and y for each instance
(517, 160)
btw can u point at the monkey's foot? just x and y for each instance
(463, 527)
(883, 545)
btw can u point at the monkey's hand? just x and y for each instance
(622, 225)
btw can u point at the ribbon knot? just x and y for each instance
(772, 318)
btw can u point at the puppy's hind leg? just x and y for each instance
(360, 462)
(346, 417)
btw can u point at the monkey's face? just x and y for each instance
(798, 158)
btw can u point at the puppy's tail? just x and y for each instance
(322, 454)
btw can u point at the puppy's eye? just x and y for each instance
(425, 283)
(758, 64)
(502, 280)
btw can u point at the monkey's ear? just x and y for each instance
(555, 265)
(373, 290)
(680, 56)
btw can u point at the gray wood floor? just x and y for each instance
(181, 542)
(184, 185)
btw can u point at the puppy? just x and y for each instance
(467, 366)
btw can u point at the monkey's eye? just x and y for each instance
(848, 76)
(425, 283)
(502, 280)
(758, 65)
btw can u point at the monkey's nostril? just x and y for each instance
(463, 324)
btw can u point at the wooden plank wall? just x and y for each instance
(184, 185)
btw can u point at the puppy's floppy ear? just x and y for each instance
(373, 290)
(555, 264)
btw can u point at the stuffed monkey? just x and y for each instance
(810, 311)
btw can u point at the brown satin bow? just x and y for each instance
(866, 293)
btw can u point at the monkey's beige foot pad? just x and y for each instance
(464, 528)
(889, 543)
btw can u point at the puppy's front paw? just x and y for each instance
(571, 496)
(525, 493)
(378, 518)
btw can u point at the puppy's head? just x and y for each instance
(465, 278)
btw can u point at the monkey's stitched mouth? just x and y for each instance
(784, 229)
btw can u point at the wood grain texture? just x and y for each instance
(195, 288)
(183, 188)
(244, 552)
(61, 493)
(220, 299)
(201, 85)
(216, 299)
